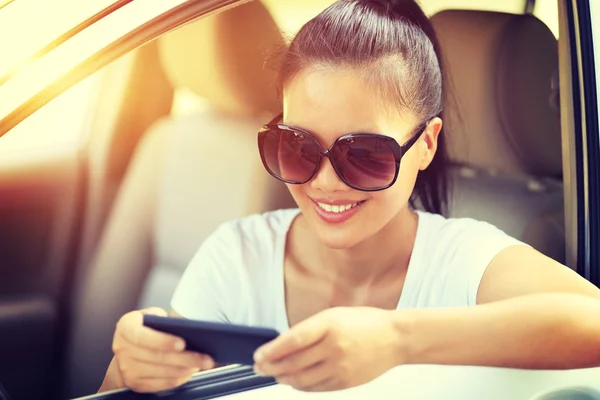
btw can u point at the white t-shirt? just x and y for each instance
(237, 274)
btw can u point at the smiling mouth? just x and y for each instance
(336, 209)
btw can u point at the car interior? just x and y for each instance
(172, 154)
(506, 144)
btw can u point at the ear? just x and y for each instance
(430, 142)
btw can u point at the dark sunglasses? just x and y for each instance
(363, 161)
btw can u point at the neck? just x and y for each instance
(383, 255)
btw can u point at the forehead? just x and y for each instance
(334, 101)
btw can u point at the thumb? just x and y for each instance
(136, 317)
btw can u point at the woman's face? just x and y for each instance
(330, 103)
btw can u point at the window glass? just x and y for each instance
(547, 12)
(42, 73)
(17, 20)
(59, 123)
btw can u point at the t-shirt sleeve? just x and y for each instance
(476, 249)
(203, 292)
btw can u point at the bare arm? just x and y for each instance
(532, 313)
(540, 331)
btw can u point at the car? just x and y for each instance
(121, 120)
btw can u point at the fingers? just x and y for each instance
(151, 361)
(326, 385)
(305, 334)
(144, 376)
(146, 370)
(294, 363)
(183, 359)
(159, 312)
(316, 378)
(131, 329)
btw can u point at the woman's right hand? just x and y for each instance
(149, 361)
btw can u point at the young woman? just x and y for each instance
(356, 278)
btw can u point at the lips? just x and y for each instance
(335, 212)
(336, 208)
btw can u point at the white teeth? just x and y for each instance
(336, 208)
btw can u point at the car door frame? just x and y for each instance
(580, 132)
(136, 36)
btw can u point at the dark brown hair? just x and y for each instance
(395, 45)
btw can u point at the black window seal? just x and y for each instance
(592, 137)
(587, 142)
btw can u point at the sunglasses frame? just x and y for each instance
(397, 149)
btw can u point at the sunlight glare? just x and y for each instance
(59, 123)
(49, 69)
(35, 30)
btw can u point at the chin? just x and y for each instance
(342, 241)
(338, 236)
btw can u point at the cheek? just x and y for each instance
(388, 202)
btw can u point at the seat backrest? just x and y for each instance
(212, 171)
(503, 130)
(188, 175)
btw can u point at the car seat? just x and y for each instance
(503, 125)
(189, 174)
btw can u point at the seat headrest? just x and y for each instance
(500, 109)
(221, 58)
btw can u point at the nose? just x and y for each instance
(326, 179)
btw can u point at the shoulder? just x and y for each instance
(466, 241)
(456, 253)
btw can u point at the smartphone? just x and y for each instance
(225, 343)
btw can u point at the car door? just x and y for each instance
(42, 188)
(41, 193)
(43, 208)
(580, 113)
(46, 159)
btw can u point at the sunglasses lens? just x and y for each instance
(288, 155)
(365, 162)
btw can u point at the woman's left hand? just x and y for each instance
(335, 349)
